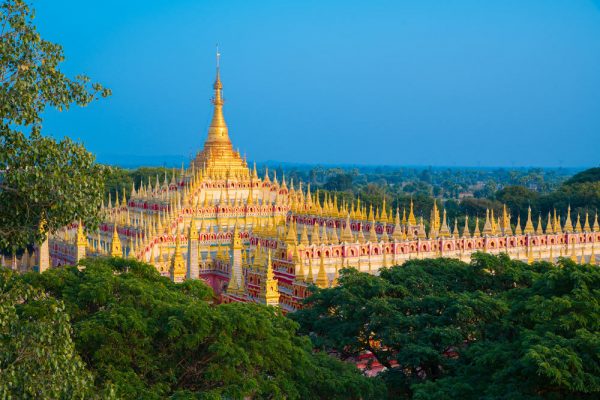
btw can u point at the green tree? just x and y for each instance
(38, 358)
(546, 347)
(589, 175)
(44, 184)
(518, 199)
(339, 182)
(495, 328)
(153, 338)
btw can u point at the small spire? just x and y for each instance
(518, 230)
(477, 232)
(309, 275)
(322, 280)
(568, 226)
(115, 246)
(466, 233)
(487, 225)
(539, 230)
(445, 229)
(177, 269)
(81, 239)
(549, 229)
(412, 221)
(586, 226)
(529, 224)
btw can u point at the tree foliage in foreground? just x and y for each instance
(494, 329)
(44, 184)
(37, 355)
(150, 338)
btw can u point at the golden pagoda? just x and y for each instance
(218, 159)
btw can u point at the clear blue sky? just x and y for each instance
(457, 83)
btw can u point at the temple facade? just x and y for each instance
(268, 240)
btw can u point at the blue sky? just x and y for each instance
(421, 82)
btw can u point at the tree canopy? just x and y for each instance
(38, 358)
(150, 338)
(495, 328)
(589, 175)
(44, 184)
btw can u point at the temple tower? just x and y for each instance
(218, 159)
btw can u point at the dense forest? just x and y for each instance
(495, 328)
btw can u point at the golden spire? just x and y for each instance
(466, 233)
(529, 224)
(397, 234)
(549, 229)
(324, 236)
(384, 215)
(518, 230)
(81, 239)
(372, 232)
(596, 226)
(217, 131)
(568, 227)
(291, 236)
(322, 280)
(314, 238)
(421, 234)
(434, 220)
(477, 232)
(444, 229)
(578, 224)
(115, 245)
(218, 159)
(304, 237)
(539, 230)
(487, 226)
(333, 237)
(298, 266)
(346, 231)
(556, 224)
(493, 221)
(271, 284)
(309, 276)
(412, 221)
(586, 226)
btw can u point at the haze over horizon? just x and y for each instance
(497, 83)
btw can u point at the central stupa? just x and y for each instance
(218, 159)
